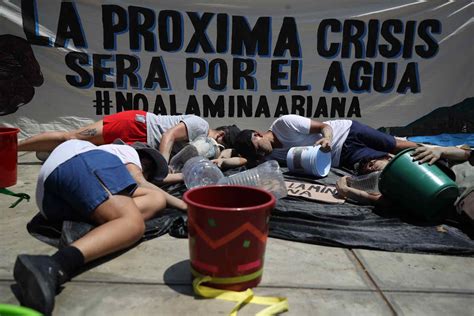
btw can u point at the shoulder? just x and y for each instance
(126, 153)
(195, 122)
(291, 120)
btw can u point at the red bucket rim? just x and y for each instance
(9, 130)
(270, 203)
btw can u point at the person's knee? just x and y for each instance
(135, 227)
(160, 200)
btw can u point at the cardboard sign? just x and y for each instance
(314, 192)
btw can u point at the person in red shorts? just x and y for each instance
(164, 132)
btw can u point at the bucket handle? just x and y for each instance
(20, 196)
(277, 304)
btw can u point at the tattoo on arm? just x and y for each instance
(88, 132)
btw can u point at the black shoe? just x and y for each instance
(38, 278)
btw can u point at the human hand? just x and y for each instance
(342, 187)
(325, 144)
(218, 162)
(424, 154)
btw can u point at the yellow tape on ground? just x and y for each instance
(277, 304)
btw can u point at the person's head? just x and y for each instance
(252, 144)
(225, 135)
(372, 165)
(154, 165)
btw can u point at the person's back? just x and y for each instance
(294, 131)
(157, 125)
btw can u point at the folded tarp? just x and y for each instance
(445, 139)
(298, 219)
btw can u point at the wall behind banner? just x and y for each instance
(384, 63)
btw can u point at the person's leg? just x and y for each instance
(170, 201)
(120, 226)
(39, 277)
(49, 140)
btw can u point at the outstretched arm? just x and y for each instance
(424, 154)
(174, 134)
(229, 163)
(326, 131)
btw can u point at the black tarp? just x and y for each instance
(296, 219)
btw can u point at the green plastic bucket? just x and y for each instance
(423, 189)
(15, 310)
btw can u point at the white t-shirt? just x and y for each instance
(72, 148)
(294, 131)
(157, 125)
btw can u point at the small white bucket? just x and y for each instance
(309, 160)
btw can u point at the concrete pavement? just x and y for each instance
(154, 278)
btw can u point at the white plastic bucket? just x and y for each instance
(309, 160)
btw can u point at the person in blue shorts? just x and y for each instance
(107, 186)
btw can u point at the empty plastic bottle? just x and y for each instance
(177, 161)
(200, 171)
(267, 176)
(367, 182)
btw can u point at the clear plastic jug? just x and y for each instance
(367, 182)
(199, 171)
(266, 176)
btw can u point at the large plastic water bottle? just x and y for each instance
(200, 171)
(367, 182)
(266, 176)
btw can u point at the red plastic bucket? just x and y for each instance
(228, 230)
(9, 156)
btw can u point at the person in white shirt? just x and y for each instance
(103, 185)
(350, 142)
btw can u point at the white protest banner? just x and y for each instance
(384, 63)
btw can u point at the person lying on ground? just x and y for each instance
(105, 185)
(349, 141)
(422, 154)
(164, 132)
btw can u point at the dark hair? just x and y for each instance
(244, 146)
(231, 132)
(159, 171)
(360, 167)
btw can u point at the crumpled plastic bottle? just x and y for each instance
(199, 171)
(267, 176)
(366, 182)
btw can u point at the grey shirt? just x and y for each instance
(157, 125)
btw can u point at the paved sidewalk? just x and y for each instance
(154, 278)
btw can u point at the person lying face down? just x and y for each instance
(164, 132)
(105, 185)
(349, 141)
